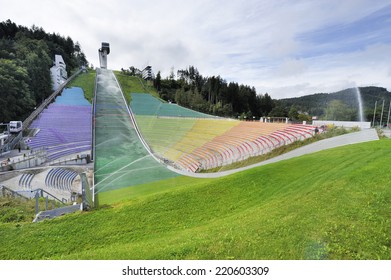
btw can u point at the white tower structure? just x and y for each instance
(103, 52)
(58, 72)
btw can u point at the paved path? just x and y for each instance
(346, 139)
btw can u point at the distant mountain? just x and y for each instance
(317, 104)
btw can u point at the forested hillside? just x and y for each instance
(26, 55)
(211, 95)
(214, 95)
(341, 105)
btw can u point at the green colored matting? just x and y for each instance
(120, 158)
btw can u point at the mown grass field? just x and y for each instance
(334, 204)
(87, 82)
(131, 84)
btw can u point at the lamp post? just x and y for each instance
(374, 114)
(381, 116)
(389, 109)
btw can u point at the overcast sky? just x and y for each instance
(284, 47)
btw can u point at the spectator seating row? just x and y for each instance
(193, 141)
(65, 126)
(242, 142)
(60, 178)
(25, 180)
(171, 137)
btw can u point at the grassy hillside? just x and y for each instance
(131, 84)
(16, 210)
(334, 204)
(128, 84)
(87, 82)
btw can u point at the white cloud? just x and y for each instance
(252, 42)
(292, 67)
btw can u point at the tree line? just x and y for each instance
(213, 95)
(26, 56)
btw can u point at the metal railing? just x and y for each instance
(94, 116)
(7, 192)
(56, 202)
(33, 115)
(30, 194)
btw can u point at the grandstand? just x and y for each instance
(174, 141)
(194, 141)
(60, 182)
(64, 128)
(163, 132)
(25, 180)
(60, 178)
(243, 140)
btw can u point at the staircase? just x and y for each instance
(49, 214)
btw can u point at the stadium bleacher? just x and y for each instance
(60, 178)
(25, 181)
(204, 142)
(240, 143)
(65, 126)
(194, 141)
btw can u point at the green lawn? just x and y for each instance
(131, 84)
(334, 204)
(87, 82)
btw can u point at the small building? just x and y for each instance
(15, 126)
(147, 73)
(58, 72)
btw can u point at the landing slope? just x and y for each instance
(121, 159)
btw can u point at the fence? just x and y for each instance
(6, 192)
(56, 202)
(347, 124)
(36, 194)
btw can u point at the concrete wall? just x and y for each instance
(27, 163)
(362, 125)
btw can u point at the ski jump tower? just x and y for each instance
(103, 52)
